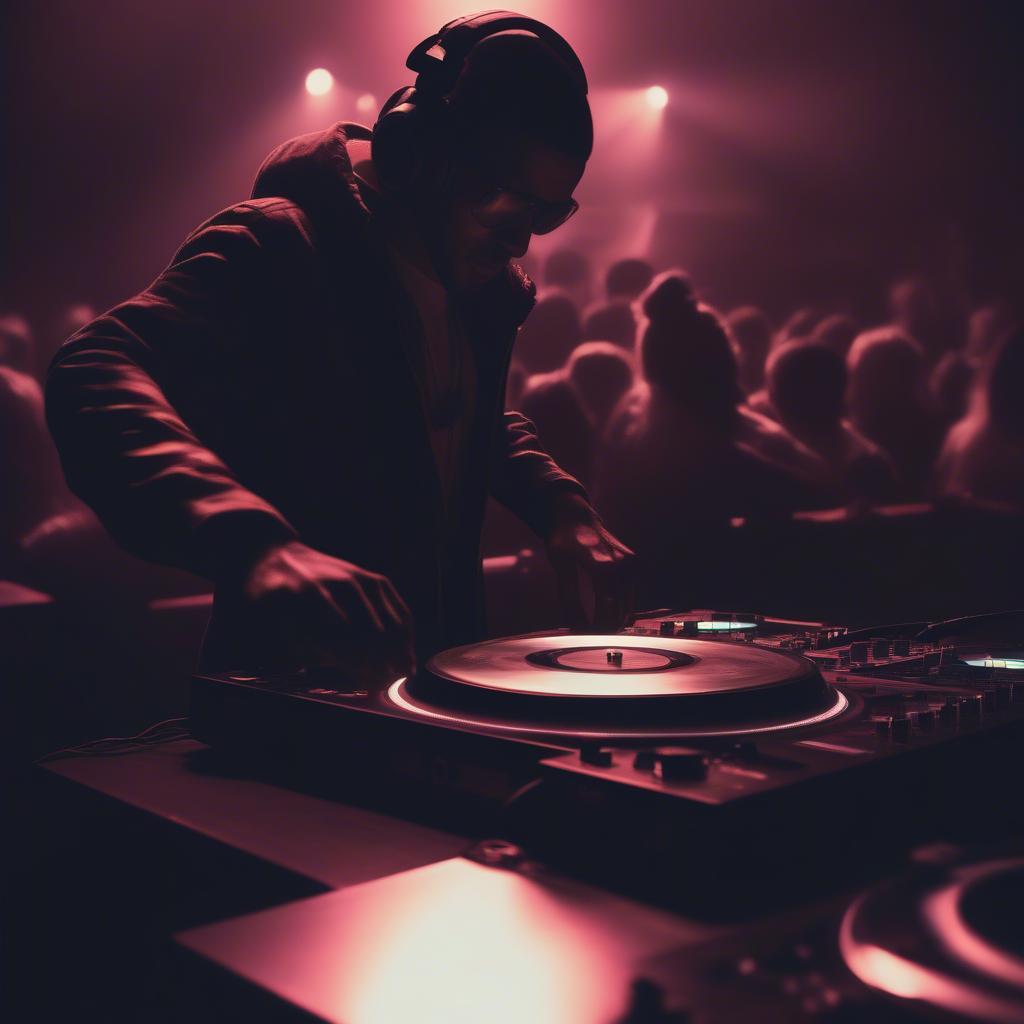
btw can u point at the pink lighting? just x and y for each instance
(657, 97)
(367, 103)
(319, 82)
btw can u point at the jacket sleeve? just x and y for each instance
(125, 448)
(528, 481)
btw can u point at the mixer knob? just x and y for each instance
(614, 657)
(645, 760)
(679, 764)
(667, 627)
(595, 754)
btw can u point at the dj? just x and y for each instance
(306, 407)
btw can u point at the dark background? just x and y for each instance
(810, 151)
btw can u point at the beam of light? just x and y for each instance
(657, 97)
(319, 82)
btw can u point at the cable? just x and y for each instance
(165, 731)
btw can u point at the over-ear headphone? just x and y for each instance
(411, 146)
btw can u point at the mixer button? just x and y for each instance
(970, 709)
(679, 764)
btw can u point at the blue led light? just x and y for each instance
(1014, 663)
(722, 626)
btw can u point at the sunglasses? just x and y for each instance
(502, 207)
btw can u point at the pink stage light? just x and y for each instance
(319, 82)
(657, 97)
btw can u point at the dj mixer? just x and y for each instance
(715, 762)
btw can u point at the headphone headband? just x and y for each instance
(439, 59)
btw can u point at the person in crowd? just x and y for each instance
(799, 325)
(568, 271)
(627, 279)
(307, 406)
(554, 406)
(751, 330)
(515, 384)
(602, 375)
(983, 455)
(888, 403)
(685, 455)
(549, 336)
(807, 386)
(613, 319)
(31, 487)
(986, 326)
(836, 332)
(929, 315)
(949, 386)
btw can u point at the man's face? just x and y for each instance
(480, 237)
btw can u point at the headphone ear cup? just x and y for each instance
(396, 147)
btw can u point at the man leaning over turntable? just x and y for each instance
(306, 407)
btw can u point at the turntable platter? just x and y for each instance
(626, 686)
(607, 667)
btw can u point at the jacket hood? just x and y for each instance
(315, 172)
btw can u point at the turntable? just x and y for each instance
(939, 939)
(611, 752)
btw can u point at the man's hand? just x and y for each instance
(580, 542)
(299, 608)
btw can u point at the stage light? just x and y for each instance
(657, 97)
(319, 82)
(366, 103)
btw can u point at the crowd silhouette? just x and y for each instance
(681, 420)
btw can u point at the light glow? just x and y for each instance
(1013, 663)
(319, 82)
(657, 97)
(367, 103)
(722, 626)
(400, 699)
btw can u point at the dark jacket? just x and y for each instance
(264, 387)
